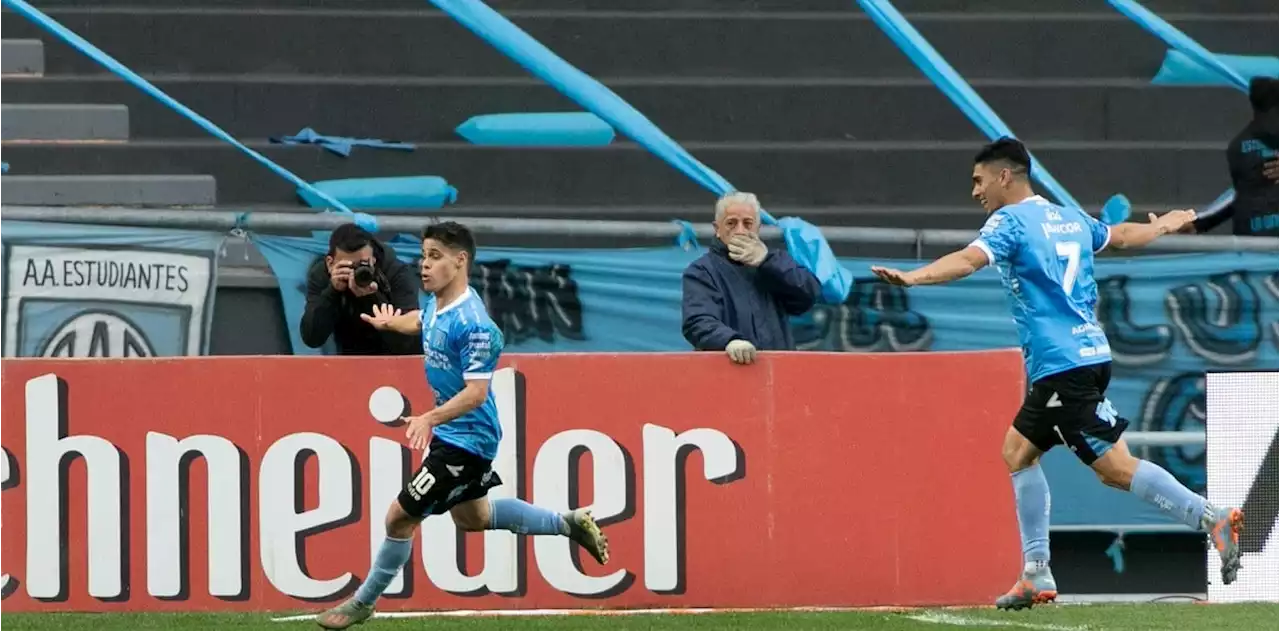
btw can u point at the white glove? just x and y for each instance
(747, 249)
(741, 351)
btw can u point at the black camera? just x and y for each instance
(363, 274)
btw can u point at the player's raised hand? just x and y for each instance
(382, 316)
(892, 276)
(1173, 221)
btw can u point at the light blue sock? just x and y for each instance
(1031, 493)
(1159, 488)
(525, 518)
(391, 557)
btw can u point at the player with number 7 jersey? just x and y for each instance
(1044, 254)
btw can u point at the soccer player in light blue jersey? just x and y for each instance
(1044, 254)
(461, 345)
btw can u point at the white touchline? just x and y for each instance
(936, 617)
(465, 613)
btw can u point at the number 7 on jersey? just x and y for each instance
(1069, 250)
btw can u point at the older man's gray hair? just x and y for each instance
(735, 198)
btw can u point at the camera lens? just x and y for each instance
(363, 275)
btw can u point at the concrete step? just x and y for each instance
(1091, 6)
(64, 122)
(21, 56)
(109, 190)
(688, 110)
(795, 174)
(426, 43)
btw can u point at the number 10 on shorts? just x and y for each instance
(421, 483)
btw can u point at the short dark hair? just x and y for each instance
(1009, 151)
(1263, 93)
(349, 237)
(454, 235)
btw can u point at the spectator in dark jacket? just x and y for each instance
(1251, 158)
(358, 273)
(738, 296)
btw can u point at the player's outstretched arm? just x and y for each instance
(389, 318)
(951, 267)
(1137, 235)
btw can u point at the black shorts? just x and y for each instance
(449, 476)
(1071, 408)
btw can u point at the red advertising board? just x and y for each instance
(261, 483)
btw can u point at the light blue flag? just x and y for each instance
(1191, 51)
(1180, 69)
(936, 68)
(521, 47)
(93, 52)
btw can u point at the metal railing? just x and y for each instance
(226, 220)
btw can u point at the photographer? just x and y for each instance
(1251, 159)
(358, 273)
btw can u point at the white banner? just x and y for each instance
(86, 291)
(1242, 435)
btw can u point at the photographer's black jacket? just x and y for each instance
(337, 313)
(1255, 211)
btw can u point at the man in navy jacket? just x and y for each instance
(738, 296)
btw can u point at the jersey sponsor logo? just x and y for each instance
(992, 223)
(1052, 214)
(1095, 351)
(437, 359)
(1087, 327)
(1051, 229)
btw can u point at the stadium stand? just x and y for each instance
(789, 99)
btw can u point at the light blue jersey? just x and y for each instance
(462, 343)
(1044, 253)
